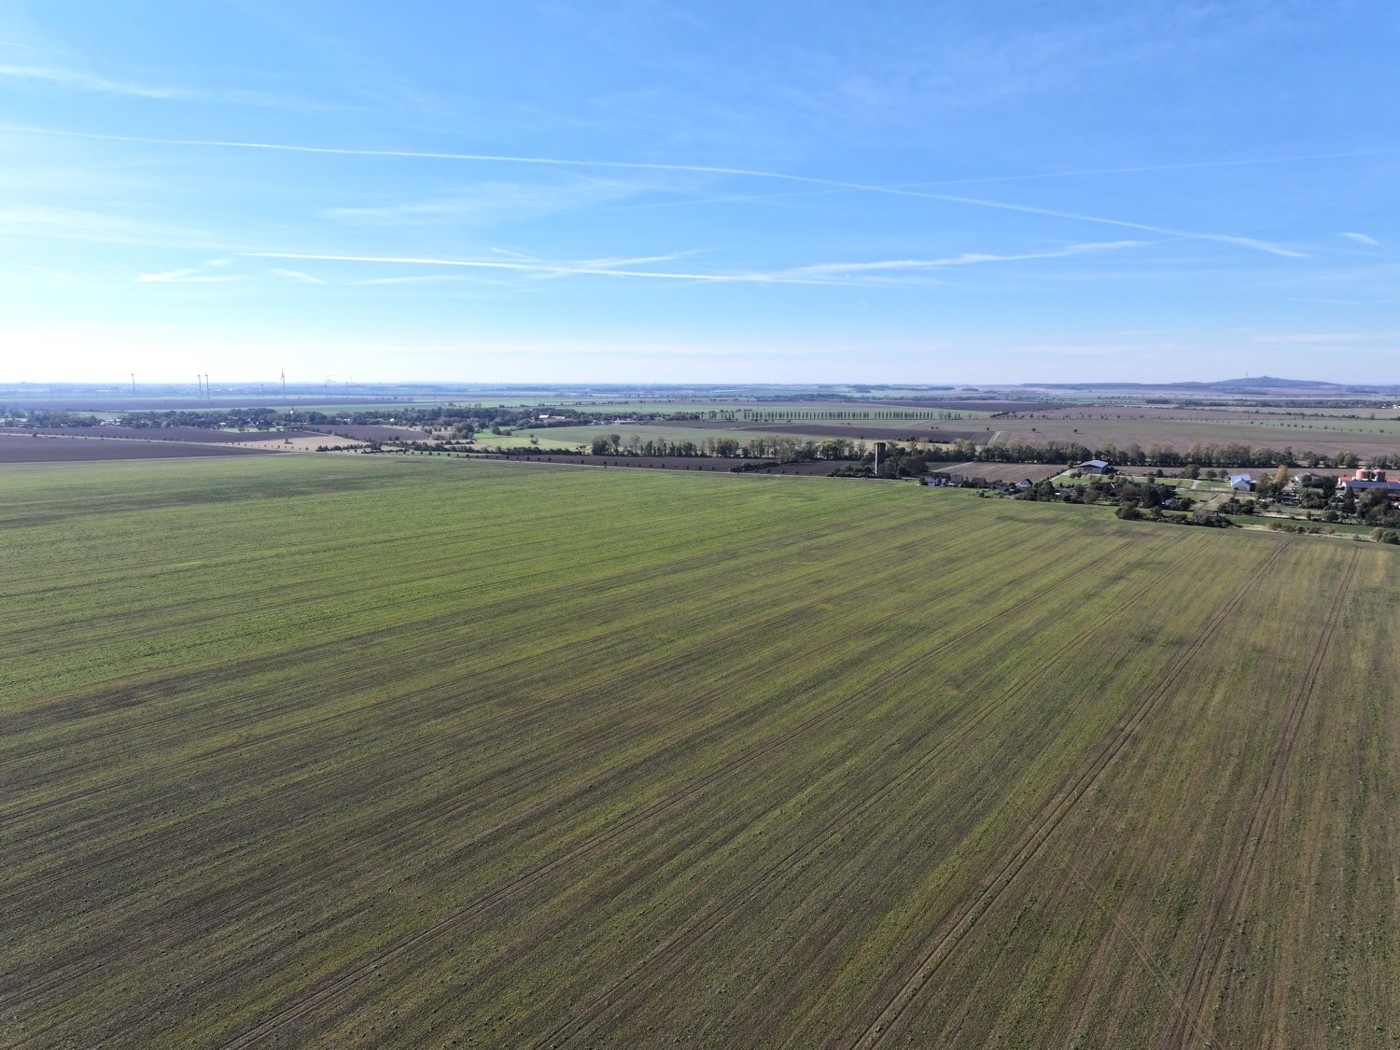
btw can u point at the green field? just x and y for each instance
(571, 437)
(1181, 430)
(317, 751)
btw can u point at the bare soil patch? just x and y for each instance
(200, 434)
(371, 432)
(15, 448)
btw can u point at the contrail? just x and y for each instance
(703, 169)
(552, 269)
(824, 273)
(1188, 166)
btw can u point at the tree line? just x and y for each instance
(1200, 454)
(783, 448)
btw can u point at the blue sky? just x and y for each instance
(634, 191)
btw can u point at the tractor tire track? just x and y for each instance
(339, 985)
(543, 714)
(922, 965)
(258, 888)
(411, 819)
(700, 930)
(1210, 959)
(297, 657)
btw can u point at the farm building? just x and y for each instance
(1369, 481)
(1242, 482)
(1096, 466)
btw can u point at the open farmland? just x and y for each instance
(201, 435)
(1180, 428)
(814, 467)
(698, 431)
(371, 432)
(875, 430)
(27, 448)
(349, 751)
(783, 408)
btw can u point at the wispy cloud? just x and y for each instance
(1361, 238)
(40, 270)
(1195, 235)
(491, 202)
(418, 278)
(734, 198)
(206, 273)
(1146, 169)
(188, 276)
(966, 259)
(1236, 240)
(601, 268)
(296, 275)
(837, 273)
(1314, 338)
(28, 47)
(79, 224)
(97, 83)
(84, 81)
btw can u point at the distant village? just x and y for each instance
(1367, 496)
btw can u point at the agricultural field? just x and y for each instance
(371, 432)
(813, 468)
(929, 401)
(200, 434)
(421, 751)
(1181, 428)
(26, 448)
(572, 437)
(698, 431)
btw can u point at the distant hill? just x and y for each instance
(1256, 385)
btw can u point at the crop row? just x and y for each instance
(431, 753)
